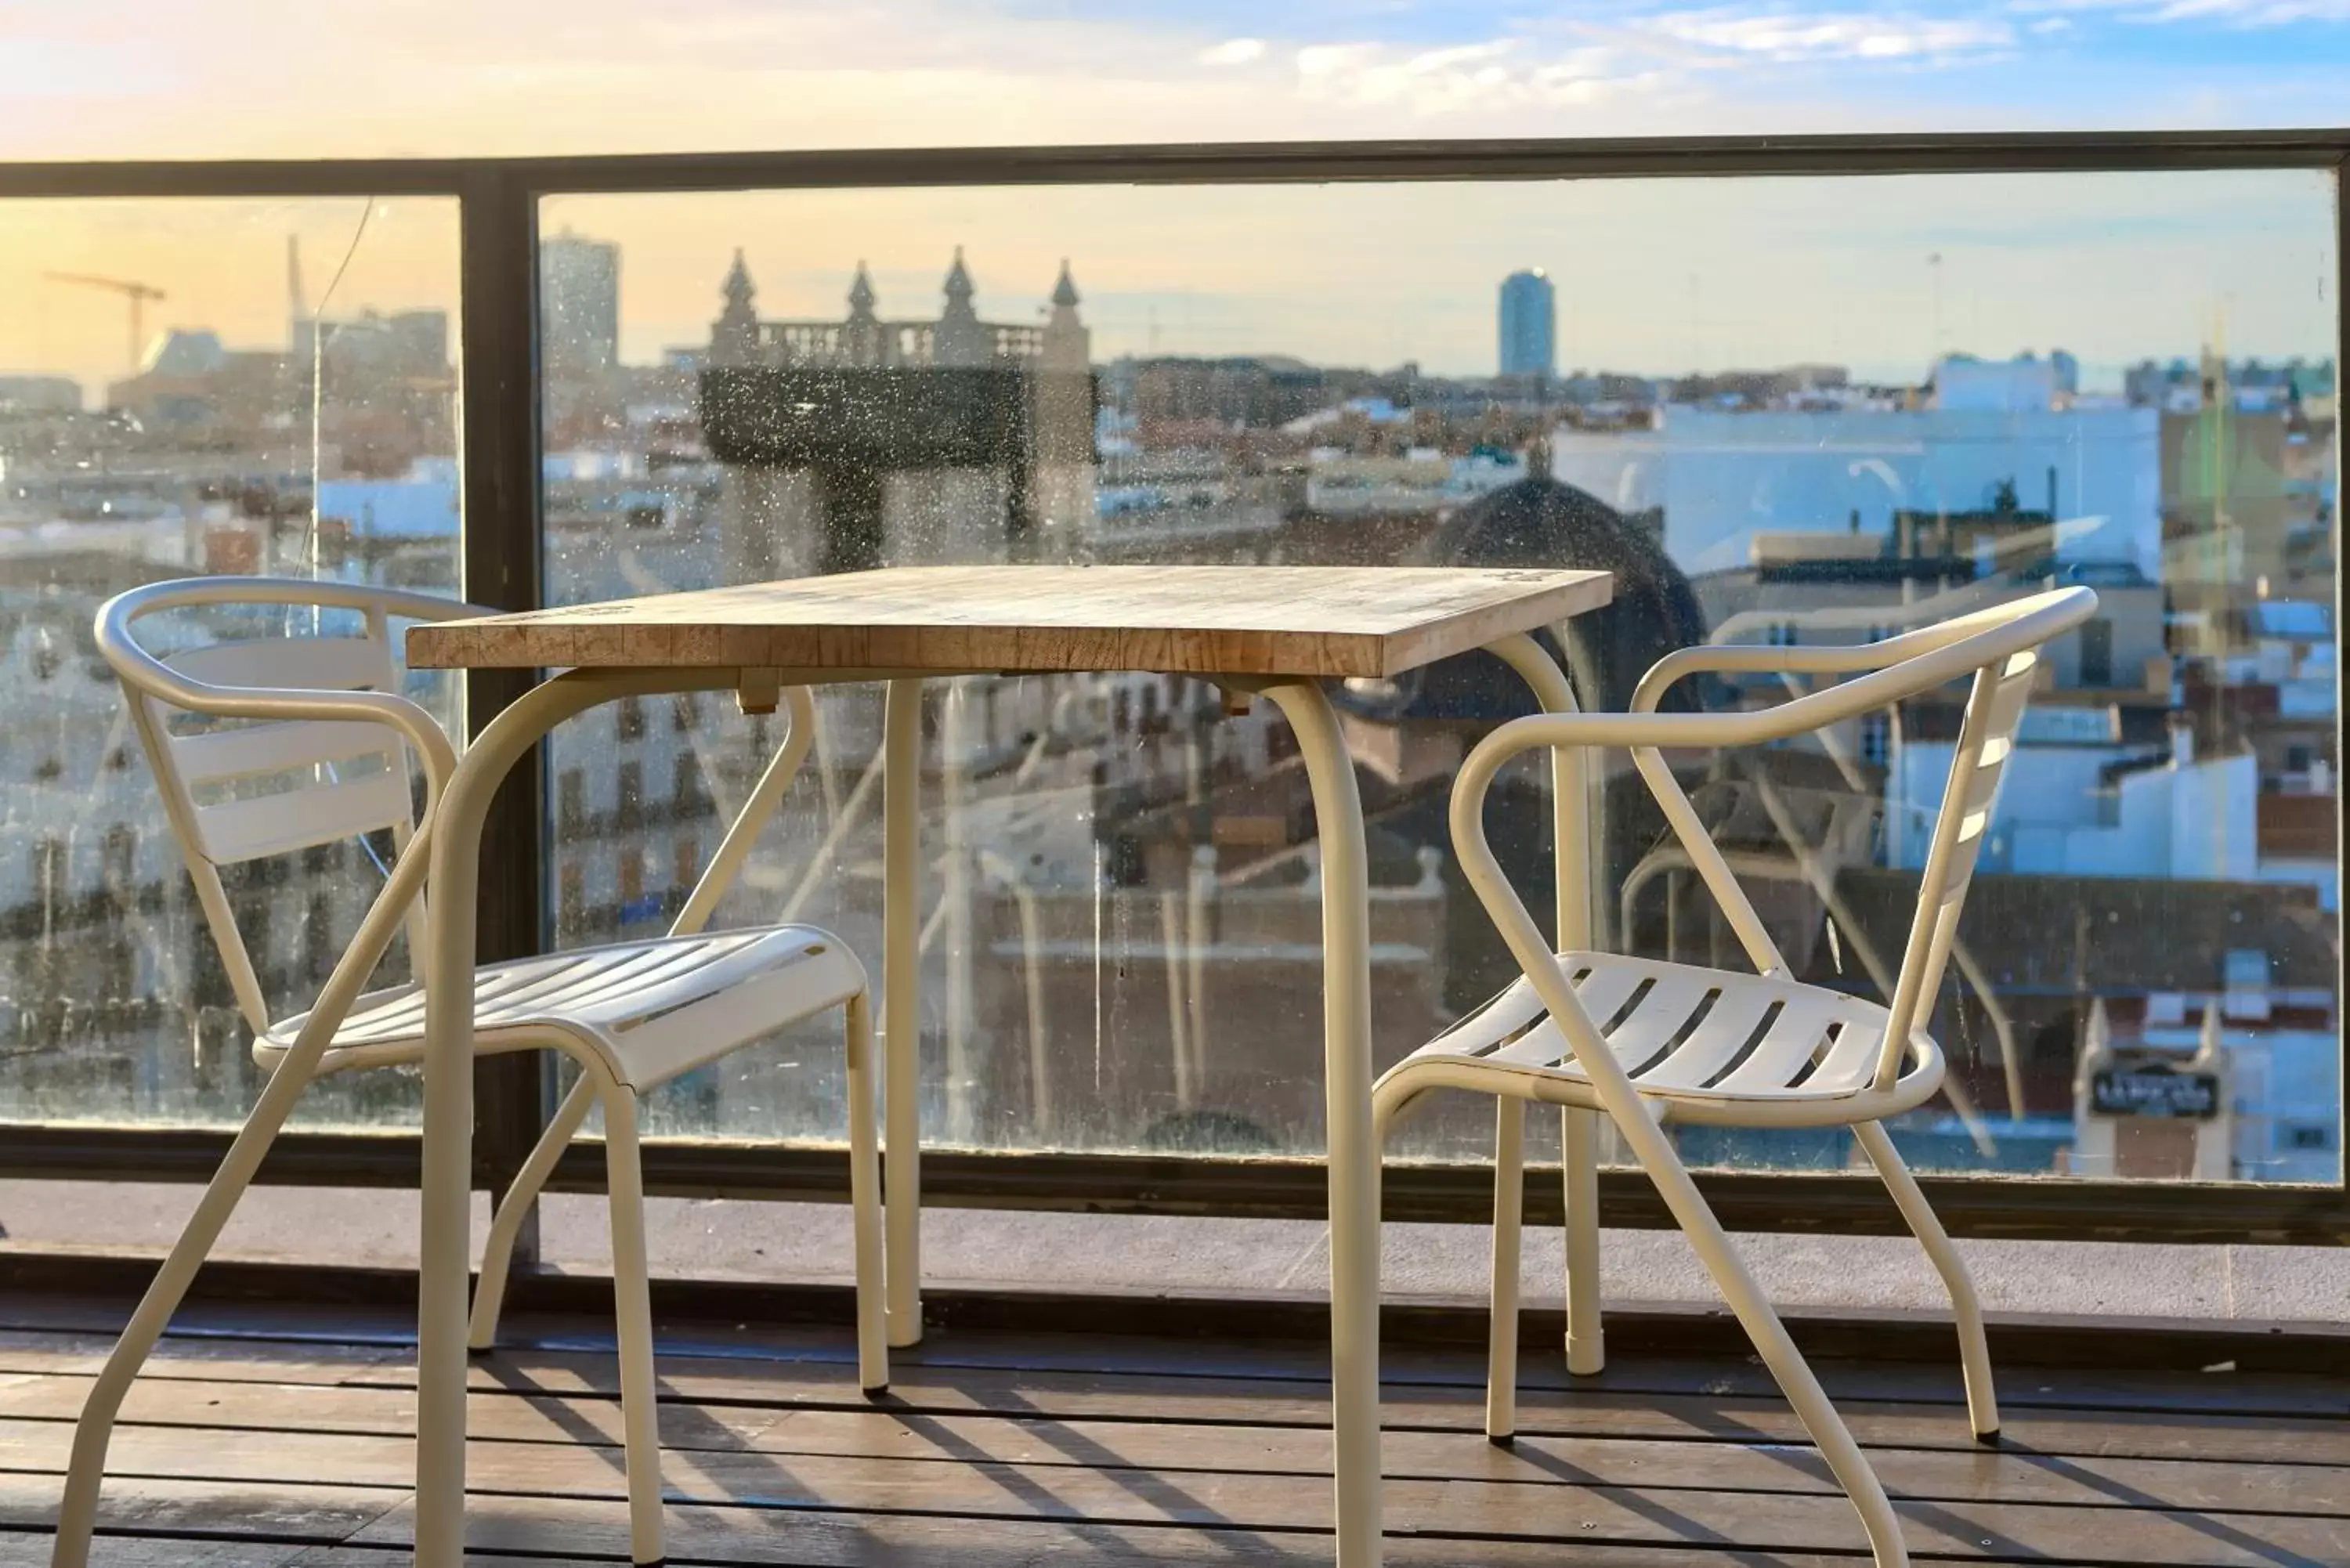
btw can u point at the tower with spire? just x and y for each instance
(960, 337)
(734, 335)
(1068, 345)
(862, 338)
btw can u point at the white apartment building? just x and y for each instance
(1721, 477)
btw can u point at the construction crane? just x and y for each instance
(138, 294)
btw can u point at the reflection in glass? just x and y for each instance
(1780, 411)
(193, 387)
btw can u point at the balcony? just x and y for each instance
(1121, 1101)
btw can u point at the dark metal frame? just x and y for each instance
(498, 205)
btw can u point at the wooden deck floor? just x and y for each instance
(994, 1451)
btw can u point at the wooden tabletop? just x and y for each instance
(1199, 620)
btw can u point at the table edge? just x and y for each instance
(1373, 655)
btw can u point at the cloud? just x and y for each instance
(2241, 13)
(1495, 74)
(1795, 37)
(1234, 52)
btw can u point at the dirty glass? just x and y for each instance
(187, 387)
(1782, 411)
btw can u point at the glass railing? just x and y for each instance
(235, 386)
(1783, 408)
(1780, 410)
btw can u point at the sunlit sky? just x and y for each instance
(1656, 276)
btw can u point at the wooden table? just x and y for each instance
(1274, 631)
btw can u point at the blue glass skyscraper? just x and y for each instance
(1529, 324)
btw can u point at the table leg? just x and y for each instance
(446, 1180)
(901, 1017)
(451, 889)
(1587, 1353)
(1354, 1156)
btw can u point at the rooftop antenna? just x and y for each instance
(317, 383)
(296, 311)
(1934, 273)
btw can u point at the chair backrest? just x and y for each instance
(1996, 650)
(242, 786)
(335, 779)
(1996, 699)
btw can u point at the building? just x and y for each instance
(1529, 324)
(1726, 478)
(388, 395)
(2020, 385)
(407, 345)
(862, 440)
(21, 396)
(2247, 385)
(579, 305)
(2247, 504)
(2077, 804)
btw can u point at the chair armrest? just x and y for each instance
(1834, 659)
(152, 676)
(144, 672)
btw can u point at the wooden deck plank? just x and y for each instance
(269, 1511)
(899, 1543)
(388, 1407)
(1627, 1493)
(1743, 1523)
(1302, 1373)
(1540, 1366)
(2016, 1473)
(44, 1352)
(30, 1548)
(1770, 1533)
(1162, 1375)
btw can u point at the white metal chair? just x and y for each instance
(324, 756)
(1648, 1042)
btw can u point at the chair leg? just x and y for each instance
(865, 1202)
(506, 1225)
(86, 1470)
(1975, 1349)
(632, 1303)
(1586, 1345)
(1502, 1328)
(1793, 1373)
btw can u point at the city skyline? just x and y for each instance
(1881, 274)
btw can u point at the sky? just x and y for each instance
(291, 77)
(1656, 276)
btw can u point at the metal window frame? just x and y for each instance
(498, 202)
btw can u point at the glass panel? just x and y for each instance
(186, 388)
(1782, 411)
